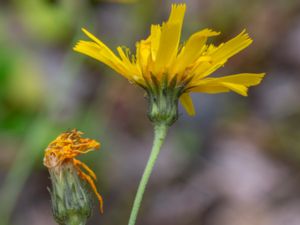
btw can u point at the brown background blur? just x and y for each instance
(237, 162)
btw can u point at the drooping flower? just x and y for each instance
(69, 193)
(169, 71)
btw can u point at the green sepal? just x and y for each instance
(163, 100)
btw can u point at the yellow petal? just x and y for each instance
(219, 55)
(192, 50)
(169, 38)
(211, 89)
(237, 88)
(247, 79)
(177, 13)
(143, 51)
(95, 51)
(91, 36)
(133, 69)
(125, 59)
(187, 102)
(155, 38)
(101, 52)
(238, 83)
(232, 47)
(215, 88)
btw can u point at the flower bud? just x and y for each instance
(70, 194)
(71, 199)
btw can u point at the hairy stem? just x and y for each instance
(160, 132)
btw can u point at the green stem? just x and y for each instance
(160, 132)
(75, 220)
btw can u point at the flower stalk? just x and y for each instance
(160, 132)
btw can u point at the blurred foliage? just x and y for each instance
(46, 20)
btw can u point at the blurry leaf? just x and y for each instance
(47, 21)
(25, 86)
(6, 67)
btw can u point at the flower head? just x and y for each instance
(163, 66)
(60, 160)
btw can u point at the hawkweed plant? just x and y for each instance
(169, 71)
(71, 198)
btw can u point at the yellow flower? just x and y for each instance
(161, 61)
(65, 148)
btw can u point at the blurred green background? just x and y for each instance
(237, 162)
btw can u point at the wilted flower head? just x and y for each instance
(164, 67)
(69, 194)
